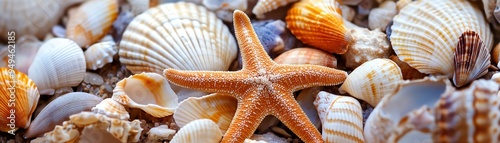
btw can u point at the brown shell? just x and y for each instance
(472, 58)
(307, 56)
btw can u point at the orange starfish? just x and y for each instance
(262, 87)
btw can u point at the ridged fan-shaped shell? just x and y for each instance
(264, 6)
(177, 35)
(197, 131)
(99, 54)
(472, 59)
(307, 56)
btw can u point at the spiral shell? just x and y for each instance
(307, 56)
(99, 54)
(201, 130)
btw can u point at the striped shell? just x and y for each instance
(472, 59)
(264, 6)
(91, 21)
(197, 131)
(177, 35)
(319, 23)
(307, 56)
(373, 80)
(99, 54)
(426, 32)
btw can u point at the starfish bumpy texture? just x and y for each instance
(262, 87)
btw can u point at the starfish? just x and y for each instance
(262, 87)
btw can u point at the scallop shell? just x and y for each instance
(372, 80)
(59, 110)
(219, 108)
(19, 96)
(264, 6)
(307, 56)
(99, 54)
(197, 131)
(341, 118)
(319, 23)
(59, 63)
(34, 17)
(472, 59)
(111, 108)
(24, 51)
(425, 33)
(91, 21)
(177, 35)
(150, 92)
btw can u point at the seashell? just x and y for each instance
(24, 51)
(348, 13)
(139, 6)
(58, 31)
(149, 92)
(415, 126)
(59, 110)
(266, 138)
(402, 3)
(367, 45)
(28, 17)
(381, 16)
(341, 118)
(111, 108)
(436, 33)
(58, 63)
(407, 71)
(91, 21)
(93, 79)
(319, 23)
(471, 58)
(100, 54)
(372, 80)
(198, 39)
(201, 130)
(495, 54)
(306, 99)
(489, 7)
(496, 77)
(224, 8)
(305, 55)
(19, 97)
(264, 6)
(160, 133)
(218, 107)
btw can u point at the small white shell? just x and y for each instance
(111, 108)
(58, 63)
(197, 131)
(160, 133)
(99, 54)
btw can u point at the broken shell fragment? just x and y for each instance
(201, 130)
(111, 108)
(472, 59)
(307, 56)
(99, 54)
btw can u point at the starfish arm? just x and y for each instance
(298, 77)
(214, 81)
(288, 111)
(250, 112)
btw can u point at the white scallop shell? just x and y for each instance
(59, 63)
(197, 131)
(177, 35)
(425, 33)
(100, 54)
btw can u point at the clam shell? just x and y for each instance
(19, 96)
(111, 108)
(99, 54)
(59, 110)
(307, 56)
(197, 131)
(91, 21)
(319, 23)
(425, 33)
(217, 107)
(60, 62)
(177, 35)
(372, 80)
(150, 92)
(264, 6)
(24, 52)
(471, 58)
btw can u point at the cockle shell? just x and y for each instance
(111, 108)
(99, 54)
(59, 110)
(472, 59)
(19, 96)
(36, 17)
(150, 92)
(341, 118)
(60, 62)
(91, 21)
(373, 80)
(179, 35)
(197, 131)
(264, 6)
(219, 108)
(305, 55)
(24, 51)
(319, 23)
(416, 33)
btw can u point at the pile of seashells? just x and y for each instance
(419, 70)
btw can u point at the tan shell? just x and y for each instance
(472, 59)
(59, 63)
(19, 96)
(307, 56)
(24, 51)
(91, 21)
(264, 6)
(373, 80)
(99, 54)
(381, 16)
(111, 108)
(177, 35)
(416, 33)
(149, 92)
(197, 131)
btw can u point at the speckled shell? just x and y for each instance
(111, 108)
(307, 56)
(23, 101)
(342, 119)
(219, 108)
(264, 6)
(59, 63)
(472, 59)
(425, 33)
(197, 131)
(91, 21)
(319, 23)
(99, 54)
(373, 80)
(177, 35)
(149, 92)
